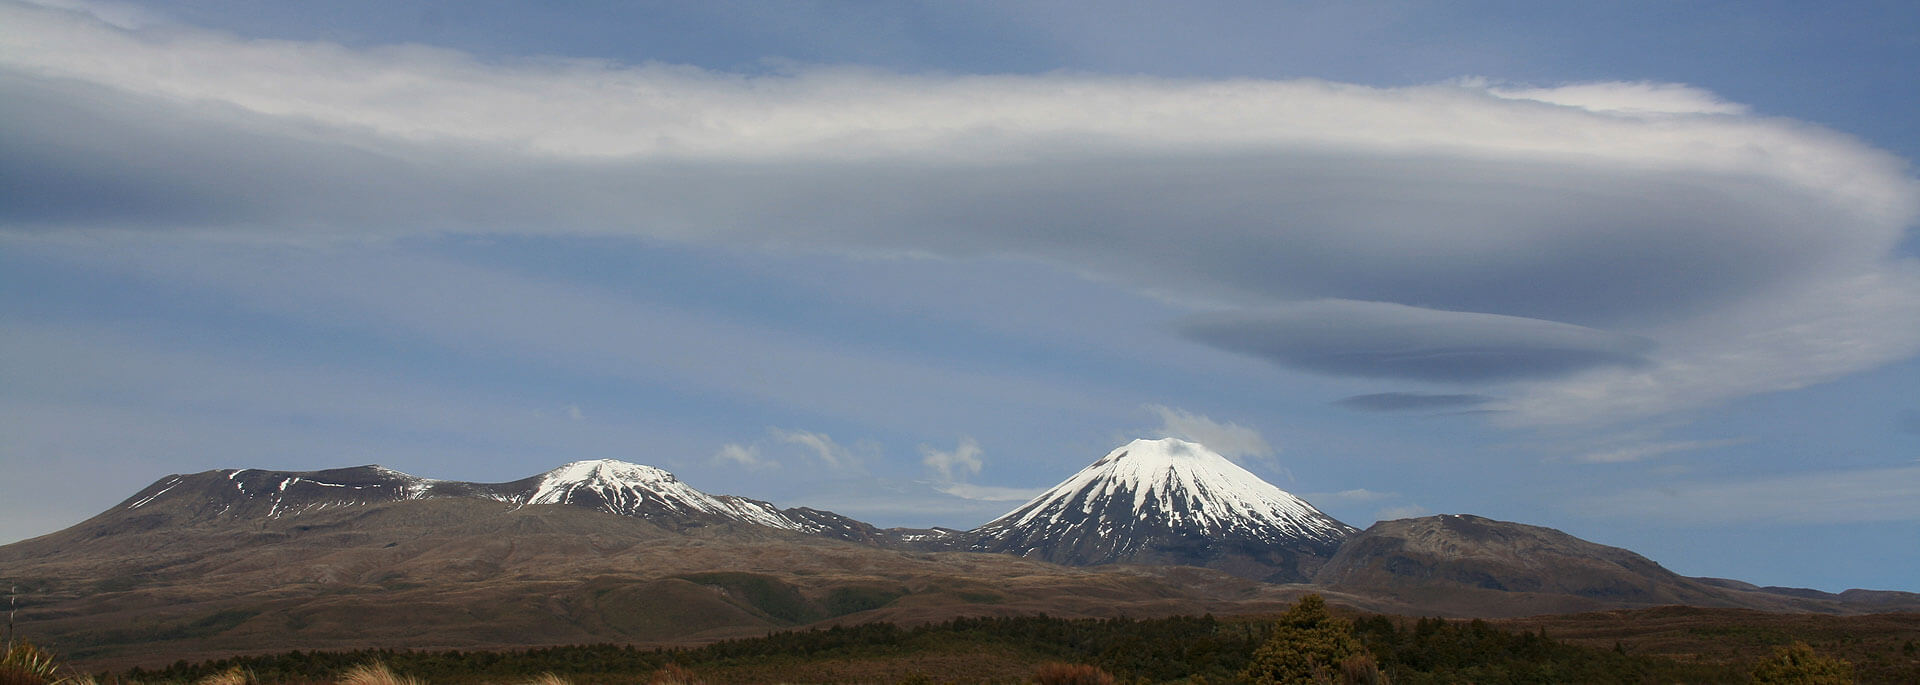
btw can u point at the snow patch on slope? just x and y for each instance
(625, 488)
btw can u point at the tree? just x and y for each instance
(1798, 664)
(1308, 645)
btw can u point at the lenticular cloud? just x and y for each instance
(1599, 250)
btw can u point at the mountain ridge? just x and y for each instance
(598, 550)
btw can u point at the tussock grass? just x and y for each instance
(549, 679)
(231, 676)
(375, 674)
(26, 664)
(673, 674)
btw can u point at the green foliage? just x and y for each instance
(1306, 642)
(767, 594)
(211, 624)
(1190, 649)
(1362, 669)
(1798, 664)
(855, 598)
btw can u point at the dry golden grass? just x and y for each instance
(673, 674)
(375, 674)
(549, 679)
(25, 664)
(231, 676)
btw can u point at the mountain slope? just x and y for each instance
(468, 572)
(1468, 565)
(1168, 501)
(604, 485)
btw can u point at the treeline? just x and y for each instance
(1178, 649)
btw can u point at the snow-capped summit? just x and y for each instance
(1169, 500)
(638, 490)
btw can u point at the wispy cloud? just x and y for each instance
(952, 469)
(1354, 495)
(821, 446)
(1648, 450)
(1412, 401)
(1230, 440)
(743, 456)
(989, 493)
(1401, 512)
(1851, 496)
(953, 465)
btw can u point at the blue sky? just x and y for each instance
(1642, 272)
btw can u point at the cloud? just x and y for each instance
(989, 493)
(1230, 440)
(1384, 340)
(1852, 496)
(822, 447)
(1532, 237)
(744, 456)
(1401, 512)
(1628, 98)
(1643, 451)
(956, 465)
(117, 14)
(952, 469)
(1790, 339)
(1354, 495)
(1411, 401)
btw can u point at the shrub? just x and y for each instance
(1071, 674)
(1798, 664)
(1361, 669)
(1307, 644)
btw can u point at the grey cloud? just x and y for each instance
(1591, 244)
(1557, 223)
(1411, 401)
(1379, 340)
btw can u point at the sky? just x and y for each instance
(1644, 272)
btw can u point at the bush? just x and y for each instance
(1307, 645)
(1071, 674)
(1798, 664)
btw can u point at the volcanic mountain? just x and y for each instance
(228, 561)
(606, 485)
(1459, 564)
(219, 562)
(1168, 501)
